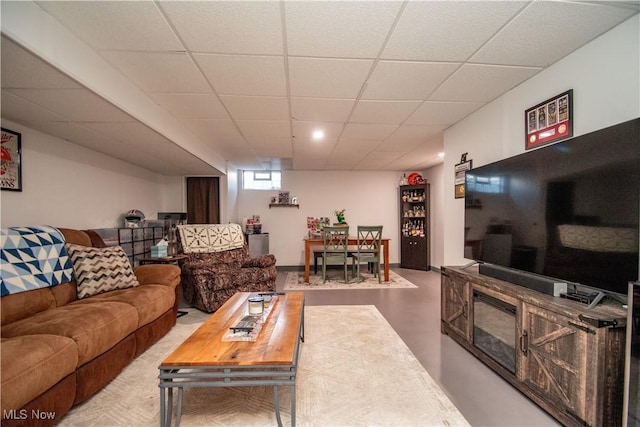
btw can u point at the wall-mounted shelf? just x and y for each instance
(283, 205)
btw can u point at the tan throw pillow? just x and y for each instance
(100, 270)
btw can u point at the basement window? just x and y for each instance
(261, 180)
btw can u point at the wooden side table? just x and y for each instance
(163, 260)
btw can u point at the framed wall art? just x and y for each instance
(550, 121)
(460, 175)
(11, 166)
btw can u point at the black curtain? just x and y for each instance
(203, 200)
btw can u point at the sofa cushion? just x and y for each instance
(150, 301)
(94, 327)
(101, 270)
(32, 364)
(24, 304)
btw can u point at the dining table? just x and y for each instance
(317, 241)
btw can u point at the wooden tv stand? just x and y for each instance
(566, 361)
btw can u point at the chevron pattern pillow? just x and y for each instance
(100, 270)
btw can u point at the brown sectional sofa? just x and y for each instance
(57, 351)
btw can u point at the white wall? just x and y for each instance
(67, 185)
(370, 198)
(434, 176)
(606, 90)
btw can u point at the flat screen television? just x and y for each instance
(567, 211)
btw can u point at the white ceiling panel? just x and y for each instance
(384, 79)
(110, 25)
(415, 132)
(160, 72)
(75, 104)
(481, 83)
(19, 109)
(212, 130)
(327, 78)
(338, 29)
(264, 128)
(21, 69)
(442, 113)
(368, 131)
(192, 105)
(257, 107)
(244, 75)
(383, 112)
(447, 30)
(237, 27)
(560, 36)
(406, 80)
(321, 109)
(303, 131)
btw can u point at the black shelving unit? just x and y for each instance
(414, 227)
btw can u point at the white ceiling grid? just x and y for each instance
(383, 79)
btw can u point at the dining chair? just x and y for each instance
(335, 242)
(369, 241)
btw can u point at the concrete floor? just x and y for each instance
(482, 396)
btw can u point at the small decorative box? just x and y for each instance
(159, 251)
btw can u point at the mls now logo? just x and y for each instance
(23, 414)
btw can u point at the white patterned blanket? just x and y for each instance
(207, 238)
(32, 258)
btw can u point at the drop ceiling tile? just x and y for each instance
(303, 131)
(308, 164)
(264, 128)
(159, 72)
(191, 105)
(73, 132)
(422, 133)
(228, 26)
(75, 104)
(257, 107)
(111, 25)
(481, 83)
(383, 112)
(321, 109)
(406, 80)
(368, 131)
(23, 111)
(244, 75)
(442, 113)
(271, 150)
(371, 164)
(209, 129)
(567, 26)
(384, 155)
(327, 78)
(447, 30)
(338, 162)
(314, 149)
(20, 69)
(338, 29)
(361, 146)
(399, 144)
(131, 133)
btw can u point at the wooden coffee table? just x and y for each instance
(205, 360)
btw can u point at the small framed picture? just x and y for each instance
(283, 197)
(11, 167)
(460, 175)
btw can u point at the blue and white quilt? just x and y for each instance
(32, 258)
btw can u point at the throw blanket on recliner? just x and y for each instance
(32, 258)
(207, 238)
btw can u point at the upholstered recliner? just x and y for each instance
(218, 265)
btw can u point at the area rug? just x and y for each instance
(354, 370)
(335, 280)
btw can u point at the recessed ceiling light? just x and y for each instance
(318, 135)
(441, 154)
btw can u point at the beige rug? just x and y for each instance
(335, 280)
(354, 370)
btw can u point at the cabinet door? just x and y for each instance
(558, 361)
(413, 250)
(455, 305)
